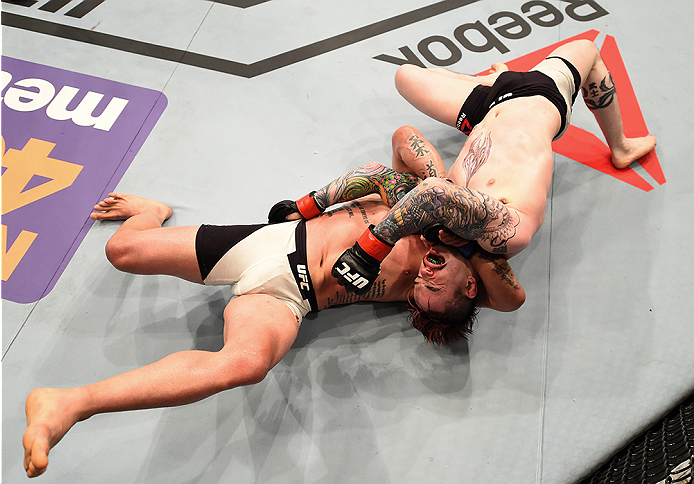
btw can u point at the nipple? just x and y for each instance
(491, 182)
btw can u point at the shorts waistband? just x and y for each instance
(299, 266)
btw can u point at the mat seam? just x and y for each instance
(16, 333)
(545, 344)
(545, 336)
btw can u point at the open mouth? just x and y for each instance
(435, 259)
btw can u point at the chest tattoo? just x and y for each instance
(477, 155)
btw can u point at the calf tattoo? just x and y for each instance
(468, 213)
(600, 97)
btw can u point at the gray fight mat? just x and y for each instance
(235, 105)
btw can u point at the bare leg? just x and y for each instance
(600, 95)
(141, 245)
(486, 80)
(259, 330)
(440, 93)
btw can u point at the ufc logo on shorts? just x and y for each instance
(356, 279)
(303, 275)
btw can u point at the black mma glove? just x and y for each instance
(358, 267)
(431, 233)
(305, 206)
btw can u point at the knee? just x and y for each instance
(246, 366)
(586, 49)
(121, 254)
(587, 45)
(404, 75)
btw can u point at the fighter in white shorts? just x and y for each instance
(258, 259)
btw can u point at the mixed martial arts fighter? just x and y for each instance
(498, 186)
(279, 272)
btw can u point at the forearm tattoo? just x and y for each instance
(502, 268)
(417, 146)
(477, 155)
(468, 213)
(418, 149)
(600, 97)
(367, 179)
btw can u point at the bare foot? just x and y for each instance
(50, 414)
(484, 79)
(121, 206)
(499, 67)
(488, 80)
(633, 149)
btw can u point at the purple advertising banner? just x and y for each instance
(67, 140)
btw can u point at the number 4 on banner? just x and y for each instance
(583, 146)
(22, 165)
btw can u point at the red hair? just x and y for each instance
(450, 325)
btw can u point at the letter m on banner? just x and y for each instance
(583, 146)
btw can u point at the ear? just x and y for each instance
(470, 289)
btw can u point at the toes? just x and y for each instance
(35, 455)
(106, 204)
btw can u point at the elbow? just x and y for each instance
(516, 301)
(519, 299)
(511, 302)
(404, 132)
(435, 182)
(372, 167)
(401, 135)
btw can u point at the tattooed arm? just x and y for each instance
(501, 290)
(413, 157)
(365, 180)
(466, 212)
(414, 154)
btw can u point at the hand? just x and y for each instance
(305, 207)
(452, 239)
(283, 211)
(438, 233)
(356, 270)
(359, 266)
